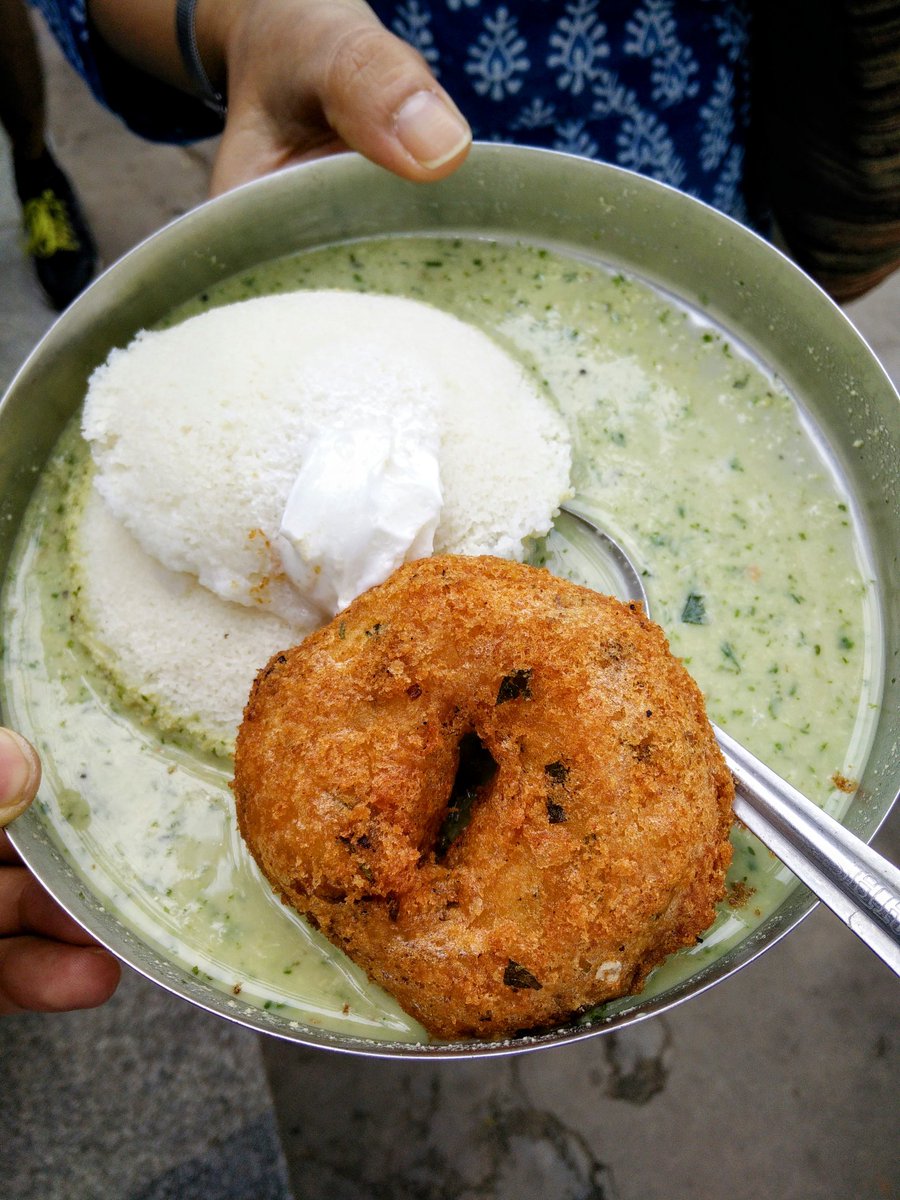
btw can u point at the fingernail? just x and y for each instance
(19, 772)
(430, 130)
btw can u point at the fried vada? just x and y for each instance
(496, 790)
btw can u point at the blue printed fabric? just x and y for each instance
(659, 86)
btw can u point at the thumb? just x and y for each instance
(381, 99)
(337, 79)
(20, 774)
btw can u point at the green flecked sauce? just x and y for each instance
(690, 454)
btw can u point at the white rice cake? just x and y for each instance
(198, 431)
(170, 646)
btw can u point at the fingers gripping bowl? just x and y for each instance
(593, 215)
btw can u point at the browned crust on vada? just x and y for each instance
(597, 847)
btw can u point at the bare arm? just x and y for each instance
(143, 32)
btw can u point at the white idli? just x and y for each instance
(169, 645)
(198, 432)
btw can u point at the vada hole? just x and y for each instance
(475, 769)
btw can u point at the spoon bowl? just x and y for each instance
(606, 561)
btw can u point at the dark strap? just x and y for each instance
(186, 36)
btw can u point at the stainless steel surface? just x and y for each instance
(596, 212)
(858, 885)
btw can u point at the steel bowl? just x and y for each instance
(590, 210)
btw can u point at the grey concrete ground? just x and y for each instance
(782, 1082)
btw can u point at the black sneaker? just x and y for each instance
(59, 240)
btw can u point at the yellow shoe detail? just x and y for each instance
(48, 227)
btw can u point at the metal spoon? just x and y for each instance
(855, 882)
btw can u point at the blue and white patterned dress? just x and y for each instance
(660, 86)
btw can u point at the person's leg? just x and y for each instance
(21, 82)
(59, 240)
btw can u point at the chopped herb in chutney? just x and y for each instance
(694, 611)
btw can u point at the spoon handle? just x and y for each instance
(856, 883)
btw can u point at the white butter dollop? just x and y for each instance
(365, 500)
